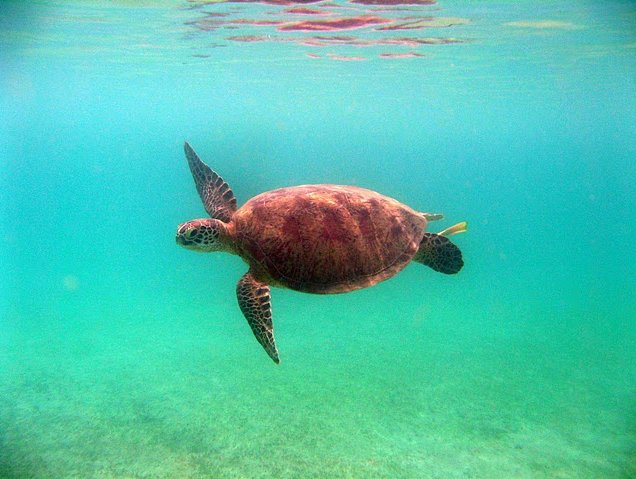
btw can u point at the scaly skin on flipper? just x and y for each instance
(439, 253)
(218, 198)
(253, 299)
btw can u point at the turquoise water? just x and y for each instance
(125, 356)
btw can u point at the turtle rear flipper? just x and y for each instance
(439, 253)
(215, 193)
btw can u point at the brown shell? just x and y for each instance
(326, 238)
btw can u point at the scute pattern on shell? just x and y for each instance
(327, 238)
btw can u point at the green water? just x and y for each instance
(125, 356)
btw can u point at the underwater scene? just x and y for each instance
(125, 355)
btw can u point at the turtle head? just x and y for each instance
(204, 235)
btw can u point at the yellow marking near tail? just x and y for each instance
(433, 216)
(453, 230)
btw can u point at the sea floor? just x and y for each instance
(368, 388)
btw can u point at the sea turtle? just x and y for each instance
(319, 239)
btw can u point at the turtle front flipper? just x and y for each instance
(439, 253)
(253, 299)
(218, 199)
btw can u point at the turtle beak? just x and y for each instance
(180, 237)
(181, 240)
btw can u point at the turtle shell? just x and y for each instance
(326, 238)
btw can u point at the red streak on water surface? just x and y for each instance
(349, 23)
(393, 2)
(400, 55)
(306, 11)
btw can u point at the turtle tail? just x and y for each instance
(438, 252)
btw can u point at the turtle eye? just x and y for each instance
(189, 234)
